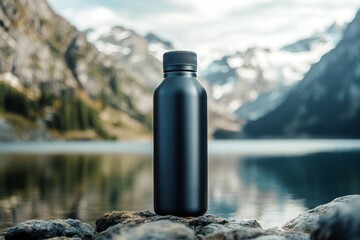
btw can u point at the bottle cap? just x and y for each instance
(180, 61)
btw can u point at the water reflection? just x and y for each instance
(81, 187)
(231, 195)
(270, 189)
(316, 178)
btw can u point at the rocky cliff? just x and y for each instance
(242, 77)
(326, 103)
(137, 54)
(50, 73)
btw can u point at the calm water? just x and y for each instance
(272, 181)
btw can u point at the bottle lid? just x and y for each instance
(180, 61)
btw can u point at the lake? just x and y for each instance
(269, 180)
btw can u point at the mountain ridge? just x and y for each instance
(326, 103)
(44, 54)
(242, 76)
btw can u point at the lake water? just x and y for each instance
(272, 181)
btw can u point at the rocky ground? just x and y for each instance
(339, 219)
(23, 132)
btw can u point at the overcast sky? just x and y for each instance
(197, 24)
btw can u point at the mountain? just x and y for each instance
(326, 103)
(157, 45)
(332, 34)
(50, 73)
(263, 104)
(141, 56)
(243, 76)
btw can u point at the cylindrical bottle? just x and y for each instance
(180, 138)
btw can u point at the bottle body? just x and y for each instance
(180, 146)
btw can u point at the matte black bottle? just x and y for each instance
(180, 138)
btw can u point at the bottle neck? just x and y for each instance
(179, 74)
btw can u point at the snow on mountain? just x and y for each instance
(263, 104)
(331, 34)
(140, 55)
(157, 46)
(244, 84)
(242, 76)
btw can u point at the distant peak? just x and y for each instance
(154, 38)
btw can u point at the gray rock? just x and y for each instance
(40, 229)
(258, 234)
(307, 221)
(163, 229)
(222, 227)
(202, 225)
(63, 238)
(7, 133)
(342, 224)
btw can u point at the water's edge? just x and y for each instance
(227, 147)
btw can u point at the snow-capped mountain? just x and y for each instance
(50, 75)
(142, 56)
(326, 103)
(263, 104)
(241, 77)
(157, 46)
(332, 34)
(139, 55)
(243, 84)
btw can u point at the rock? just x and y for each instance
(344, 224)
(163, 229)
(63, 238)
(258, 234)
(112, 218)
(53, 229)
(202, 225)
(306, 222)
(7, 133)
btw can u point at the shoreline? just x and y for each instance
(337, 219)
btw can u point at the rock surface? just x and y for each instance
(53, 229)
(202, 225)
(163, 229)
(258, 234)
(344, 223)
(306, 222)
(338, 219)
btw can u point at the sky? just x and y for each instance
(209, 24)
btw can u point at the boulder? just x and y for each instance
(161, 230)
(53, 229)
(307, 222)
(344, 224)
(258, 234)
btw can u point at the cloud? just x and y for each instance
(212, 24)
(93, 17)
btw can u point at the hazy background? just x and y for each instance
(210, 25)
(257, 61)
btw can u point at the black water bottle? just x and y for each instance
(180, 138)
